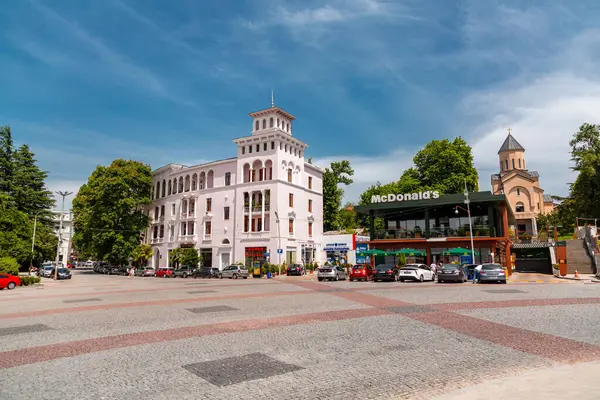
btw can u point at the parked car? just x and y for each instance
(9, 281)
(63, 273)
(361, 272)
(115, 270)
(45, 270)
(453, 273)
(295, 269)
(146, 271)
(206, 272)
(164, 272)
(384, 272)
(184, 272)
(471, 270)
(492, 273)
(234, 272)
(415, 272)
(332, 273)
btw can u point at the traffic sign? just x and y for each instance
(267, 254)
(279, 251)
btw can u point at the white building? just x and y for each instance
(245, 208)
(64, 235)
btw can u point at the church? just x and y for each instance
(521, 188)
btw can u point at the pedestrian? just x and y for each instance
(433, 267)
(132, 271)
(476, 272)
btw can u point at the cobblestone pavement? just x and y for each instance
(114, 337)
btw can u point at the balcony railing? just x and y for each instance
(435, 232)
(187, 238)
(257, 208)
(528, 236)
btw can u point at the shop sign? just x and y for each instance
(390, 198)
(336, 247)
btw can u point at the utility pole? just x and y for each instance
(33, 237)
(278, 241)
(468, 202)
(62, 211)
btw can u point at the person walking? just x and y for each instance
(476, 272)
(433, 268)
(131, 271)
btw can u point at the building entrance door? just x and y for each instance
(225, 260)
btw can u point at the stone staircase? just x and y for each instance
(578, 258)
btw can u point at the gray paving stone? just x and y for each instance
(504, 291)
(203, 310)
(410, 309)
(16, 330)
(82, 300)
(233, 370)
(201, 291)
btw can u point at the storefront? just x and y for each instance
(254, 255)
(342, 248)
(434, 224)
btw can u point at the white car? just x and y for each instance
(415, 272)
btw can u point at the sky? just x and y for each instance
(370, 81)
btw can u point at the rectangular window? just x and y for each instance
(250, 149)
(173, 209)
(289, 175)
(227, 178)
(310, 229)
(265, 146)
(207, 228)
(243, 149)
(226, 213)
(291, 226)
(309, 205)
(246, 223)
(291, 200)
(257, 148)
(208, 205)
(310, 182)
(272, 145)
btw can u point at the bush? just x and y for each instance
(9, 265)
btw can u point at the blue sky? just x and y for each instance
(371, 81)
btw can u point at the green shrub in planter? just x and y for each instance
(37, 279)
(9, 265)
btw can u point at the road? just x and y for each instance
(114, 337)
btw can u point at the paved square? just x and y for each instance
(289, 337)
(232, 370)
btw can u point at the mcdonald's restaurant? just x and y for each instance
(442, 227)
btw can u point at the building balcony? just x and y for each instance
(482, 231)
(157, 240)
(257, 208)
(187, 239)
(207, 237)
(188, 214)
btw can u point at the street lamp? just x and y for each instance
(468, 210)
(278, 241)
(62, 211)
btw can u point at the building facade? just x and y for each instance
(64, 235)
(265, 204)
(521, 188)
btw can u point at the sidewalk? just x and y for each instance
(582, 277)
(576, 381)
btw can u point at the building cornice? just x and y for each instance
(266, 137)
(268, 111)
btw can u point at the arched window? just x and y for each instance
(264, 123)
(513, 163)
(256, 125)
(278, 122)
(289, 175)
(288, 127)
(518, 191)
(225, 241)
(162, 211)
(520, 207)
(157, 192)
(506, 163)
(164, 189)
(519, 163)
(180, 186)
(162, 231)
(194, 182)
(170, 187)
(501, 166)
(271, 123)
(187, 183)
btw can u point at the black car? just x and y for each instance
(206, 272)
(384, 272)
(295, 269)
(63, 273)
(453, 273)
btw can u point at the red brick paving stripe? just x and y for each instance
(553, 347)
(515, 303)
(97, 292)
(68, 310)
(15, 358)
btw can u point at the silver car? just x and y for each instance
(332, 273)
(492, 273)
(234, 272)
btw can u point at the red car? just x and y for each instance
(164, 273)
(9, 281)
(361, 272)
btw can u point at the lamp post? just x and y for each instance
(468, 210)
(278, 241)
(62, 211)
(33, 237)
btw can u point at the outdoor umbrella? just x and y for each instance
(459, 251)
(372, 252)
(410, 252)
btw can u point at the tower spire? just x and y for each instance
(272, 99)
(508, 130)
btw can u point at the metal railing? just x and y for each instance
(591, 244)
(527, 236)
(435, 232)
(257, 208)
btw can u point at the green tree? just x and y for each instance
(9, 265)
(348, 218)
(29, 188)
(109, 212)
(141, 254)
(585, 153)
(184, 256)
(6, 160)
(339, 172)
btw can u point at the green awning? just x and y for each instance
(459, 251)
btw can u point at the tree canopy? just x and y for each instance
(339, 172)
(585, 153)
(109, 210)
